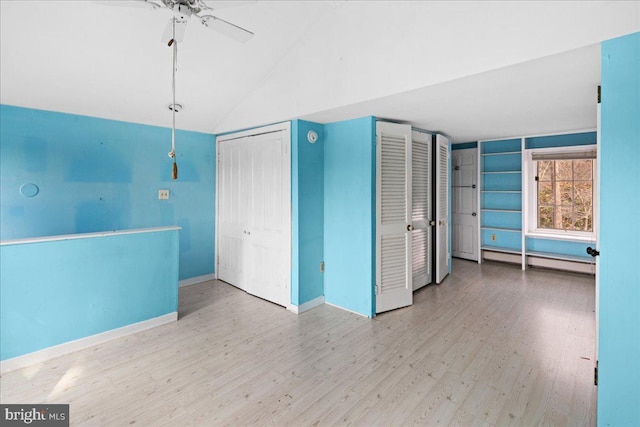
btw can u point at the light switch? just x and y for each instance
(163, 194)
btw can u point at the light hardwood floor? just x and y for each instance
(489, 346)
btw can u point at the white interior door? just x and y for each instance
(254, 214)
(442, 208)
(268, 229)
(232, 211)
(421, 213)
(464, 203)
(393, 216)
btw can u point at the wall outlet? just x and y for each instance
(493, 236)
(163, 194)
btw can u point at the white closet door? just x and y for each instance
(254, 214)
(442, 208)
(421, 214)
(393, 217)
(268, 236)
(464, 204)
(232, 211)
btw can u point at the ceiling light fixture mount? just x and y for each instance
(175, 107)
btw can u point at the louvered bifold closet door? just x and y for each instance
(421, 208)
(442, 208)
(393, 216)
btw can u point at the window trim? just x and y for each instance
(531, 190)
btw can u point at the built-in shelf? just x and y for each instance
(500, 172)
(562, 257)
(514, 230)
(500, 249)
(501, 205)
(501, 201)
(506, 153)
(501, 210)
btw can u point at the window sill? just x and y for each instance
(588, 238)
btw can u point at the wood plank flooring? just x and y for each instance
(491, 346)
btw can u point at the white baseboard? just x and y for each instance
(307, 305)
(346, 309)
(197, 279)
(82, 343)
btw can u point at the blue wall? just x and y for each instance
(349, 214)
(307, 202)
(558, 246)
(583, 138)
(464, 145)
(59, 291)
(619, 269)
(99, 175)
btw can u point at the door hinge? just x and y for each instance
(599, 93)
(595, 374)
(536, 178)
(321, 266)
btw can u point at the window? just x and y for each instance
(562, 193)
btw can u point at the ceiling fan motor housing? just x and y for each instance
(182, 12)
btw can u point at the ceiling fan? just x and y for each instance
(183, 12)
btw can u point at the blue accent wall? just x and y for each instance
(619, 269)
(349, 214)
(502, 146)
(562, 247)
(59, 291)
(584, 138)
(307, 201)
(464, 145)
(99, 175)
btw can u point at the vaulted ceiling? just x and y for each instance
(473, 70)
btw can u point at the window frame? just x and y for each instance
(531, 190)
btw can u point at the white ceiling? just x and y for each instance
(549, 95)
(473, 70)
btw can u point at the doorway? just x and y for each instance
(464, 203)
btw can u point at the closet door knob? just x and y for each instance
(409, 227)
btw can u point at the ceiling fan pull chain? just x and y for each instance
(172, 154)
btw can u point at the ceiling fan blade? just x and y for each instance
(144, 4)
(181, 26)
(224, 4)
(227, 28)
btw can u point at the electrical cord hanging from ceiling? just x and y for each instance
(174, 44)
